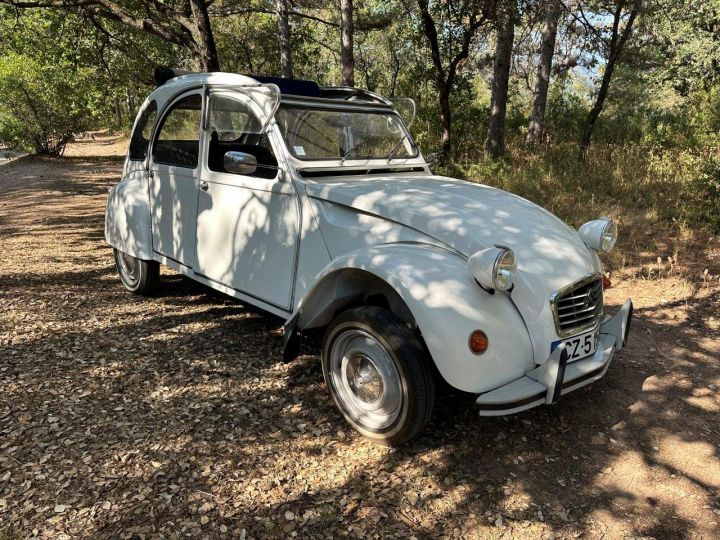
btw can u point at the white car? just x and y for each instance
(314, 204)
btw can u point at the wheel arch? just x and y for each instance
(434, 290)
(345, 288)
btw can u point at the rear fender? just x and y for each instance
(444, 301)
(127, 217)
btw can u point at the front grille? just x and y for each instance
(578, 306)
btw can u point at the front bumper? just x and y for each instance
(545, 384)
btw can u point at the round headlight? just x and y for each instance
(494, 268)
(504, 271)
(599, 234)
(609, 236)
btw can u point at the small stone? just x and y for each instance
(289, 515)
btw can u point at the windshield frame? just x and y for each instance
(351, 106)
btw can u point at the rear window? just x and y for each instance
(141, 136)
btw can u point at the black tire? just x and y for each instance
(412, 363)
(137, 275)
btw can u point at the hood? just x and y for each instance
(469, 217)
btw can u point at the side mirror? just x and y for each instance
(406, 108)
(239, 162)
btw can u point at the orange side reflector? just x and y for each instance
(478, 342)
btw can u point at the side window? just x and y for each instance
(233, 127)
(178, 139)
(141, 136)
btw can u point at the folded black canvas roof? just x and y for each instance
(295, 87)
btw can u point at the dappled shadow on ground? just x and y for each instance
(122, 416)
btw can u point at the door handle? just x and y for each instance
(204, 185)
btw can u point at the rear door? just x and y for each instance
(174, 173)
(247, 224)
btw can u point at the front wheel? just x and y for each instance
(378, 375)
(138, 276)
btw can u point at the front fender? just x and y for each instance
(445, 302)
(127, 218)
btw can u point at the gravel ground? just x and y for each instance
(127, 417)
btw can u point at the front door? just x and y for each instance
(247, 224)
(174, 177)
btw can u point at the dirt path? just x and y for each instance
(128, 417)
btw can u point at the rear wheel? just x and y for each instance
(138, 276)
(378, 375)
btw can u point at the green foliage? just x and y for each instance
(120, 60)
(43, 105)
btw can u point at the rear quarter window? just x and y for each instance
(141, 136)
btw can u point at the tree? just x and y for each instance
(459, 22)
(623, 13)
(495, 141)
(544, 68)
(185, 23)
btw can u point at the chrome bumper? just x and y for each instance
(545, 384)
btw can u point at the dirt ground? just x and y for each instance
(174, 416)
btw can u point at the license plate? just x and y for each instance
(579, 346)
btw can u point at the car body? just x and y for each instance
(315, 205)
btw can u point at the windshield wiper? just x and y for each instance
(395, 148)
(351, 151)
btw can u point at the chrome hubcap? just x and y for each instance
(366, 379)
(129, 268)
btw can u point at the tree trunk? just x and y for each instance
(617, 44)
(547, 49)
(443, 89)
(445, 122)
(596, 109)
(283, 20)
(495, 143)
(118, 110)
(347, 58)
(205, 54)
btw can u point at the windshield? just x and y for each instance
(317, 134)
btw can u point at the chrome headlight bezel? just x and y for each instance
(494, 268)
(599, 234)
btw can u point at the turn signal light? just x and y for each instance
(478, 342)
(606, 282)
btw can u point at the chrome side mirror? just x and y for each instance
(239, 162)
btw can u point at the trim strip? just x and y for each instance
(513, 405)
(567, 384)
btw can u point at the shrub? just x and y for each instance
(43, 105)
(704, 193)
